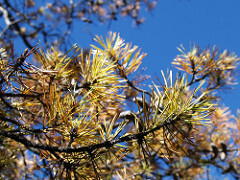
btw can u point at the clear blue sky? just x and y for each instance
(175, 22)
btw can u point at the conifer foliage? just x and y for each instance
(86, 115)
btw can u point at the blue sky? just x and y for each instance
(176, 22)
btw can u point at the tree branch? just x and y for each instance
(90, 148)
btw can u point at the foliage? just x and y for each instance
(79, 115)
(52, 21)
